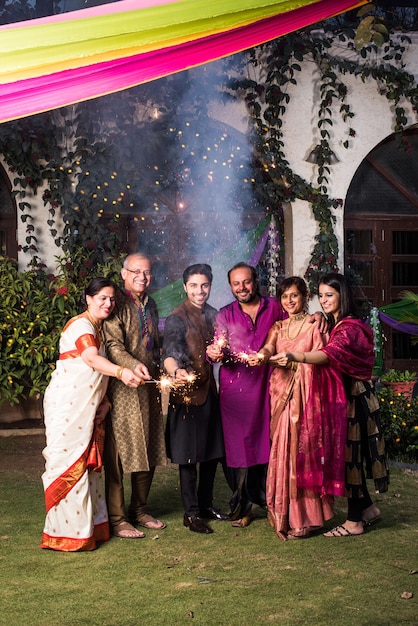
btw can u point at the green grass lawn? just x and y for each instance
(234, 577)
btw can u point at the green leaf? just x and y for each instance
(378, 39)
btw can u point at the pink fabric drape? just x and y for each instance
(53, 88)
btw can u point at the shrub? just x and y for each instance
(400, 425)
(34, 307)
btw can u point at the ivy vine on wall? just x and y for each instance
(88, 175)
(276, 65)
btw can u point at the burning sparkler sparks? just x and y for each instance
(221, 342)
(165, 383)
(245, 357)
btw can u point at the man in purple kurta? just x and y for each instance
(241, 328)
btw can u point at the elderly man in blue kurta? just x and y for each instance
(241, 329)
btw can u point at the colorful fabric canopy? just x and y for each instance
(54, 61)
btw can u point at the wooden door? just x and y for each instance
(383, 252)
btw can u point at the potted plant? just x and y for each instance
(400, 381)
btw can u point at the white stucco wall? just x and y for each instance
(373, 122)
(45, 241)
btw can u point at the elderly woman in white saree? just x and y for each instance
(75, 406)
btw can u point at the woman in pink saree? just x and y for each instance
(295, 510)
(346, 391)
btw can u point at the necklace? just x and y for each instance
(96, 326)
(296, 318)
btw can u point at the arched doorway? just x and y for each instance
(381, 234)
(8, 219)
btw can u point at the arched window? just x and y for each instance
(381, 232)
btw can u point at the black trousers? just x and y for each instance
(356, 506)
(197, 487)
(248, 486)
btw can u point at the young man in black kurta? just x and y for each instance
(194, 430)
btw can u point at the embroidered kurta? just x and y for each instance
(194, 429)
(244, 398)
(131, 336)
(74, 496)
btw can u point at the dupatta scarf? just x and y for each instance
(321, 458)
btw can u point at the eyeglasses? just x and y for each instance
(139, 272)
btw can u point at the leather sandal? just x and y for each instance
(244, 521)
(299, 533)
(341, 531)
(147, 521)
(125, 530)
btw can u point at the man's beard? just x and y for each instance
(250, 298)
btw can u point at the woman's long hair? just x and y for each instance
(348, 305)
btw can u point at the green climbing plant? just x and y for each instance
(267, 97)
(89, 177)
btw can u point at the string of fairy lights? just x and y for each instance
(188, 159)
(191, 151)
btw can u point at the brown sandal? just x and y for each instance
(147, 521)
(299, 533)
(244, 521)
(125, 530)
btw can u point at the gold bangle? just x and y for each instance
(119, 372)
(303, 358)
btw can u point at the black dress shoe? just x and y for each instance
(212, 513)
(196, 524)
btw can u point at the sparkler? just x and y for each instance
(243, 357)
(167, 384)
(164, 383)
(221, 342)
